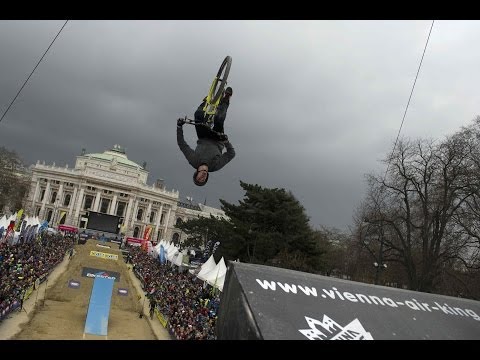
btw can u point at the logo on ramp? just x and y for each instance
(74, 284)
(93, 273)
(330, 330)
(123, 292)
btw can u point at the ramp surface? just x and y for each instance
(263, 302)
(99, 307)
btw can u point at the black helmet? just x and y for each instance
(197, 182)
(229, 91)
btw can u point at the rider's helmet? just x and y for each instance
(197, 182)
(228, 91)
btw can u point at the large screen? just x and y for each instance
(103, 222)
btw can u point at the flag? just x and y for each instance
(162, 255)
(18, 221)
(148, 232)
(62, 214)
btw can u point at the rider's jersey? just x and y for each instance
(208, 151)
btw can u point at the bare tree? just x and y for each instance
(414, 207)
(14, 180)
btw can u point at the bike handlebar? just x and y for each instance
(192, 122)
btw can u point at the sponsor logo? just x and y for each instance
(330, 330)
(103, 255)
(104, 246)
(103, 275)
(93, 273)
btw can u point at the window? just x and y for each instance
(104, 206)
(161, 218)
(179, 221)
(175, 238)
(88, 202)
(152, 216)
(139, 214)
(54, 197)
(37, 211)
(136, 231)
(159, 235)
(66, 201)
(49, 215)
(121, 208)
(42, 194)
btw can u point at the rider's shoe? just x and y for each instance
(226, 95)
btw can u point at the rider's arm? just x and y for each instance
(226, 156)
(187, 150)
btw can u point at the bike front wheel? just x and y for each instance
(220, 80)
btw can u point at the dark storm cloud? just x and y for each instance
(316, 104)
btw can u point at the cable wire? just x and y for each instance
(408, 103)
(45, 53)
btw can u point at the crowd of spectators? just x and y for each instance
(23, 263)
(189, 305)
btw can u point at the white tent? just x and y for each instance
(178, 259)
(206, 267)
(171, 253)
(216, 276)
(156, 250)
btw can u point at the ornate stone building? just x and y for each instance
(112, 184)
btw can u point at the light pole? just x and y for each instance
(378, 264)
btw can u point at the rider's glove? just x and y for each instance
(223, 137)
(180, 122)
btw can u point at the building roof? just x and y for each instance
(117, 153)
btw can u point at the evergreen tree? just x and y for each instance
(269, 226)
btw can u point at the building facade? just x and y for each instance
(111, 184)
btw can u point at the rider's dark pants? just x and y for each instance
(219, 119)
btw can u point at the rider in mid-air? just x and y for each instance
(208, 156)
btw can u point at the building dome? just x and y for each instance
(116, 154)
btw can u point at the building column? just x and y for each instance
(97, 201)
(134, 215)
(113, 204)
(44, 201)
(126, 222)
(35, 194)
(79, 205)
(167, 220)
(60, 193)
(70, 216)
(157, 222)
(149, 210)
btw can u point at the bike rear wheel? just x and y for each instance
(220, 80)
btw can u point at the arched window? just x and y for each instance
(136, 231)
(179, 221)
(49, 215)
(175, 238)
(54, 197)
(66, 201)
(139, 214)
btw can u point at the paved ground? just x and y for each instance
(56, 311)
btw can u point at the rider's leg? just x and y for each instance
(220, 116)
(202, 131)
(199, 113)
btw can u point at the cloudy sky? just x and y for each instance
(316, 104)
